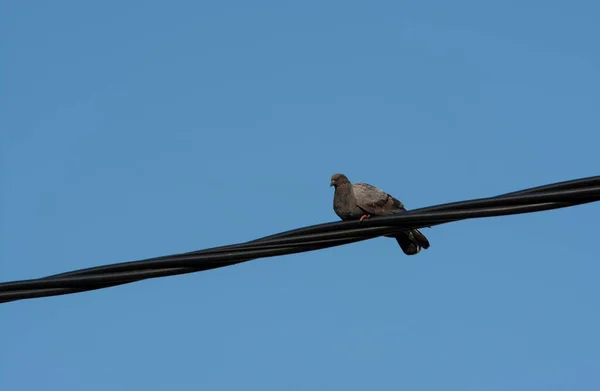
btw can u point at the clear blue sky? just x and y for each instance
(132, 129)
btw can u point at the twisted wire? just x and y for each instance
(541, 198)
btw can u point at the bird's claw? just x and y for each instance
(364, 217)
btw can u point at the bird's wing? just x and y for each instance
(375, 201)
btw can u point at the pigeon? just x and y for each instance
(359, 201)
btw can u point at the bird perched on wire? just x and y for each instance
(359, 201)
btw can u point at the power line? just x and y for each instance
(554, 196)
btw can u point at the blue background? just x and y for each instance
(132, 129)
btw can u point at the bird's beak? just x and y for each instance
(330, 183)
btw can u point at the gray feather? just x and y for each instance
(376, 202)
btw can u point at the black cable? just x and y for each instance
(558, 195)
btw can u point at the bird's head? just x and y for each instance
(338, 179)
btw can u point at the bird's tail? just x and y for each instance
(412, 241)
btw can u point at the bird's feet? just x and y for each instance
(365, 216)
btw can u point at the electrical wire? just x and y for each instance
(554, 196)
